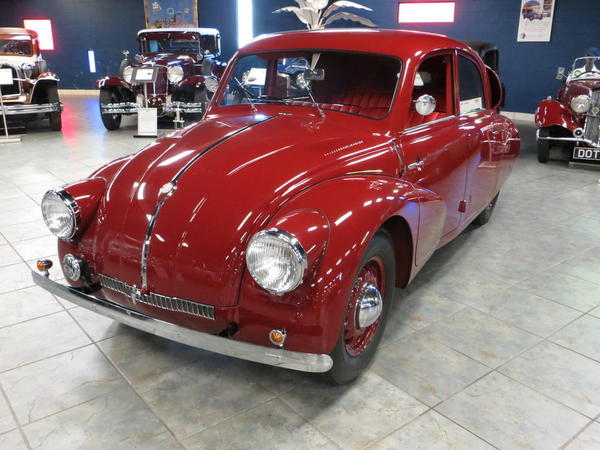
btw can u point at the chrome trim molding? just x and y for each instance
(158, 300)
(184, 107)
(166, 196)
(304, 362)
(423, 125)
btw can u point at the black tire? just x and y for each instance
(347, 367)
(485, 215)
(543, 146)
(54, 117)
(111, 121)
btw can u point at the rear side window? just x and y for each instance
(470, 86)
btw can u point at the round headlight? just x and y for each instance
(276, 261)
(211, 84)
(61, 214)
(127, 74)
(581, 104)
(175, 74)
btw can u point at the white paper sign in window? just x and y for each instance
(472, 104)
(257, 76)
(6, 76)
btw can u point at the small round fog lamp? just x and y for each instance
(72, 267)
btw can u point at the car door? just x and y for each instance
(434, 148)
(483, 159)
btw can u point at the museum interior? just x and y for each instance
(275, 224)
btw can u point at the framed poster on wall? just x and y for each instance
(535, 20)
(171, 13)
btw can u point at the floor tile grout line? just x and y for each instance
(14, 416)
(127, 381)
(579, 433)
(2, 327)
(404, 425)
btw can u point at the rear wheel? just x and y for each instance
(111, 121)
(485, 215)
(543, 146)
(54, 117)
(366, 311)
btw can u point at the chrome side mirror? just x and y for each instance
(560, 73)
(425, 104)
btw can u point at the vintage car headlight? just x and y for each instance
(175, 74)
(211, 84)
(127, 74)
(581, 104)
(276, 261)
(61, 214)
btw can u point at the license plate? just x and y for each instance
(586, 154)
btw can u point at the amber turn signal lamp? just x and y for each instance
(277, 337)
(43, 265)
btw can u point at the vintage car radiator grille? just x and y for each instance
(11, 89)
(159, 301)
(591, 131)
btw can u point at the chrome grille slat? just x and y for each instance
(591, 131)
(158, 300)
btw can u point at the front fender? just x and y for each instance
(42, 82)
(108, 82)
(553, 113)
(355, 207)
(48, 76)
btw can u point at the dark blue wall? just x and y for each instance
(527, 69)
(108, 26)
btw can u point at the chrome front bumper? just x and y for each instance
(132, 108)
(13, 110)
(120, 108)
(581, 139)
(184, 107)
(305, 362)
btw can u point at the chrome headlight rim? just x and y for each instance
(211, 83)
(585, 103)
(72, 209)
(127, 73)
(294, 244)
(175, 74)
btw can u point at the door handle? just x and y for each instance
(417, 165)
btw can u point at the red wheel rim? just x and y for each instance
(356, 340)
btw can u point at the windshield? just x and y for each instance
(156, 45)
(586, 68)
(16, 45)
(354, 83)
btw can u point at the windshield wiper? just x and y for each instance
(247, 93)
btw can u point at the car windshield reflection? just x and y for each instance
(586, 68)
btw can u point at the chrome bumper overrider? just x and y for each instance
(12, 110)
(305, 362)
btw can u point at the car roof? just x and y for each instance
(400, 43)
(212, 31)
(18, 31)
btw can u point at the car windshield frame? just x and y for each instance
(581, 77)
(310, 104)
(6, 39)
(170, 37)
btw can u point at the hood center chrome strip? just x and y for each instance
(167, 194)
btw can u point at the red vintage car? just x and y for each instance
(187, 64)
(277, 228)
(572, 121)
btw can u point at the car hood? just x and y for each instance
(232, 174)
(166, 59)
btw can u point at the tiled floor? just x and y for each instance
(496, 344)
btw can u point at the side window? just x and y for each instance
(434, 78)
(470, 86)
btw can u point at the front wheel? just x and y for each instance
(54, 117)
(366, 311)
(543, 146)
(111, 121)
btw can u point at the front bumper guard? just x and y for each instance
(567, 139)
(20, 109)
(304, 362)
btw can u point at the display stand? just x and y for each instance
(6, 79)
(147, 117)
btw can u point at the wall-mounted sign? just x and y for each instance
(43, 27)
(171, 13)
(426, 12)
(144, 74)
(535, 20)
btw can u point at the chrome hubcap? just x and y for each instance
(369, 306)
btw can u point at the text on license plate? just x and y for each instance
(592, 154)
